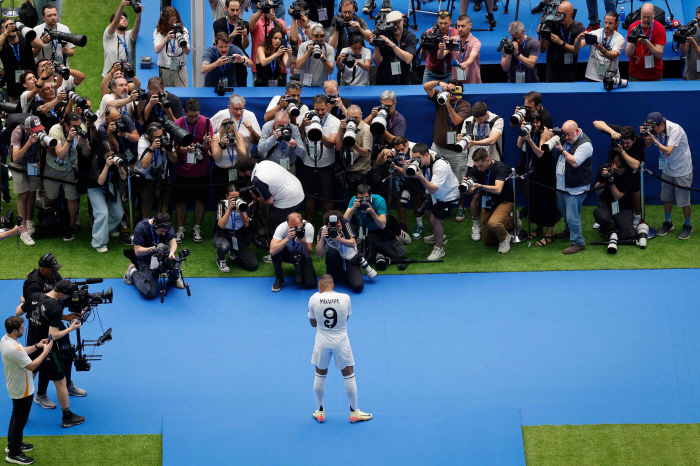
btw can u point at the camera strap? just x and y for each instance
(16, 51)
(125, 45)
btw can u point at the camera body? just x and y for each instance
(430, 38)
(142, 94)
(611, 81)
(525, 130)
(551, 19)
(198, 157)
(349, 60)
(350, 132)
(452, 45)
(611, 173)
(299, 232)
(506, 45)
(136, 6)
(89, 115)
(249, 191)
(120, 127)
(340, 22)
(166, 143)
(77, 99)
(163, 100)
(220, 88)
(616, 143)
(8, 221)
(317, 49)
(379, 122)
(120, 161)
(647, 130)
(165, 263)
(240, 203)
(79, 131)
(62, 70)
(365, 203)
(332, 226)
(127, 69)
(635, 33)
(286, 131)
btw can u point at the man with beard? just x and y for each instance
(117, 42)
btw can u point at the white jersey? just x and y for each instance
(331, 310)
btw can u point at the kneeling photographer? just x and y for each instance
(150, 235)
(292, 243)
(613, 184)
(337, 240)
(376, 233)
(155, 149)
(230, 236)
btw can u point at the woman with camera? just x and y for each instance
(104, 191)
(354, 63)
(229, 237)
(226, 147)
(171, 41)
(272, 58)
(543, 209)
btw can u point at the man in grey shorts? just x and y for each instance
(676, 164)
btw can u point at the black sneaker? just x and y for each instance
(665, 228)
(279, 283)
(491, 20)
(477, 5)
(603, 232)
(70, 234)
(685, 232)
(72, 420)
(19, 459)
(495, 6)
(6, 195)
(523, 212)
(538, 9)
(25, 448)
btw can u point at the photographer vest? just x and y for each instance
(581, 175)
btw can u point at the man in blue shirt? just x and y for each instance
(375, 233)
(218, 62)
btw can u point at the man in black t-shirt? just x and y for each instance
(238, 31)
(395, 57)
(561, 54)
(17, 55)
(150, 110)
(147, 235)
(613, 184)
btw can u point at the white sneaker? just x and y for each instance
(596, 226)
(129, 272)
(504, 246)
(27, 238)
(197, 235)
(180, 235)
(39, 202)
(437, 254)
(405, 237)
(102, 249)
(431, 239)
(30, 227)
(476, 233)
(222, 266)
(115, 234)
(267, 259)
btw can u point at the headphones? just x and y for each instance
(340, 6)
(167, 225)
(45, 262)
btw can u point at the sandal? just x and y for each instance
(544, 241)
(535, 233)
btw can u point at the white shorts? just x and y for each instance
(342, 354)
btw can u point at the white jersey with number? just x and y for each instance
(331, 311)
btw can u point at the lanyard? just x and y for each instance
(53, 111)
(156, 239)
(606, 44)
(562, 34)
(125, 45)
(159, 111)
(239, 121)
(156, 155)
(218, 55)
(194, 133)
(301, 33)
(16, 52)
(461, 57)
(273, 65)
(651, 31)
(172, 46)
(233, 221)
(488, 178)
(572, 144)
(231, 154)
(449, 120)
(481, 134)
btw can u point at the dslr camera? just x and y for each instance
(317, 49)
(647, 130)
(120, 127)
(180, 35)
(292, 107)
(461, 145)
(610, 81)
(75, 39)
(286, 131)
(365, 203)
(518, 116)
(413, 167)
(8, 222)
(314, 130)
(350, 132)
(379, 122)
(62, 70)
(127, 69)
(163, 100)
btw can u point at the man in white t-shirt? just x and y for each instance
(356, 74)
(605, 52)
(18, 368)
(292, 95)
(53, 47)
(117, 42)
(314, 71)
(329, 312)
(246, 122)
(119, 98)
(292, 243)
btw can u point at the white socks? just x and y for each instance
(419, 221)
(351, 391)
(319, 389)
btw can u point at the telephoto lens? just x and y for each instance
(443, 97)
(163, 100)
(548, 147)
(46, 140)
(241, 205)
(381, 262)
(612, 245)
(461, 145)
(525, 130)
(379, 122)
(466, 185)
(317, 51)
(90, 115)
(405, 196)
(293, 108)
(362, 262)
(642, 235)
(518, 116)
(413, 167)
(314, 130)
(350, 132)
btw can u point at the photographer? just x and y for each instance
(16, 55)
(562, 56)
(151, 109)
(495, 197)
(613, 184)
(342, 258)
(53, 48)
(676, 165)
(356, 71)
(56, 104)
(394, 58)
(120, 97)
(117, 71)
(439, 69)
(246, 122)
(469, 70)
(18, 368)
(292, 93)
(226, 147)
(316, 173)
(119, 130)
(261, 23)
(148, 234)
(229, 237)
(219, 62)
(62, 163)
(237, 31)
(377, 236)
(314, 71)
(449, 117)
(172, 55)
(117, 42)
(153, 184)
(608, 47)
(105, 192)
(298, 32)
(574, 171)
(292, 243)
(521, 62)
(691, 51)
(339, 105)
(276, 6)
(396, 125)
(442, 194)
(360, 160)
(346, 25)
(272, 59)
(275, 148)
(645, 48)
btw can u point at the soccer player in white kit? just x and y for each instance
(329, 312)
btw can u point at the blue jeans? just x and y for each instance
(280, 10)
(570, 208)
(107, 216)
(433, 76)
(4, 178)
(592, 6)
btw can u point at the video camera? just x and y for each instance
(381, 28)
(636, 33)
(75, 39)
(264, 7)
(295, 11)
(168, 267)
(430, 38)
(506, 45)
(551, 18)
(684, 32)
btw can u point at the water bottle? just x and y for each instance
(622, 14)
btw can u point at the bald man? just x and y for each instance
(645, 54)
(562, 56)
(574, 171)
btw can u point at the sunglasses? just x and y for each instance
(444, 14)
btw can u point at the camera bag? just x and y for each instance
(659, 15)
(51, 222)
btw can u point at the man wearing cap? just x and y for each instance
(42, 280)
(26, 153)
(147, 235)
(676, 165)
(394, 58)
(45, 315)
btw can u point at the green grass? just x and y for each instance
(98, 450)
(612, 444)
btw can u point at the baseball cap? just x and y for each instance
(63, 286)
(655, 118)
(50, 262)
(394, 17)
(34, 124)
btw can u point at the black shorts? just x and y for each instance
(319, 183)
(52, 367)
(441, 210)
(187, 188)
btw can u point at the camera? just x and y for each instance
(166, 143)
(127, 69)
(467, 185)
(551, 19)
(365, 203)
(379, 122)
(548, 147)
(635, 33)
(79, 131)
(332, 99)
(430, 38)
(413, 167)
(120, 127)
(249, 190)
(8, 221)
(299, 232)
(611, 81)
(381, 261)
(180, 35)
(198, 157)
(220, 88)
(90, 115)
(135, 6)
(58, 67)
(642, 235)
(286, 131)
(314, 130)
(183, 137)
(142, 94)
(684, 32)
(612, 173)
(241, 205)
(46, 140)
(10, 107)
(506, 45)
(461, 145)
(75, 39)
(163, 100)
(27, 32)
(340, 22)
(317, 49)
(350, 132)
(451, 45)
(518, 116)
(120, 161)
(332, 228)
(443, 97)
(382, 28)
(525, 130)
(157, 174)
(612, 244)
(264, 7)
(647, 130)
(231, 138)
(293, 107)
(79, 101)
(296, 12)
(349, 60)
(616, 143)
(362, 262)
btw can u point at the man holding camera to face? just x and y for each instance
(613, 184)
(690, 49)
(606, 47)
(354, 142)
(153, 186)
(646, 39)
(562, 56)
(229, 237)
(158, 103)
(281, 142)
(237, 31)
(315, 59)
(292, 243)
(148, 235)
(346, 25)
(120, 131)
(263, 20)
(337, 240)
(395, 56)
(16, 54)
(439, 69)
(520, 59)
(290, 102)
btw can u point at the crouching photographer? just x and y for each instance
(614, 183)
(229, 237)
(337, 240)
(292, 243)
(149, 234)
(377, 234)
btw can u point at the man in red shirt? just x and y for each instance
(645, 54)
(435, 68)
(192, 177)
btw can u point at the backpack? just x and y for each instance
(28, 15)
(659, 15)
(51, 222)
(11, 123)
